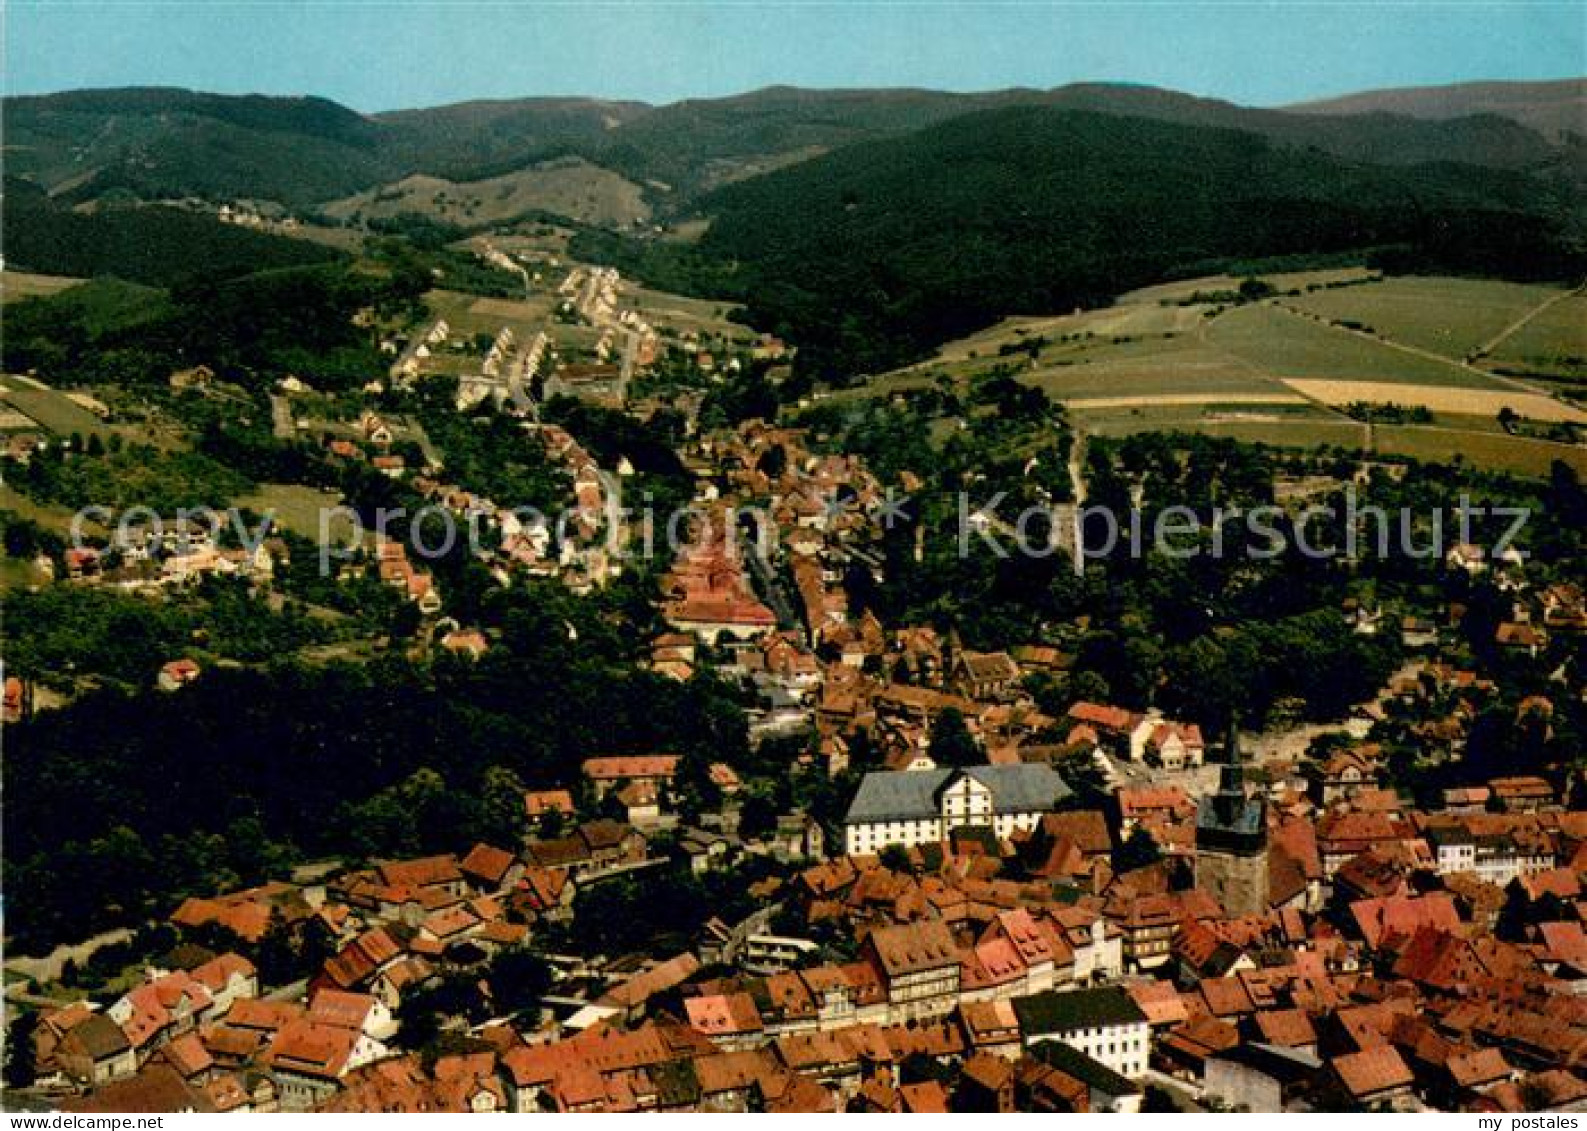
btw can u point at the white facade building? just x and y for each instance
(1105, 1024)
(910, 807)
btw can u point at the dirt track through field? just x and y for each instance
(1498, 339)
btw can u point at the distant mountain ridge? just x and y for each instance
(1553, 109)
(158, 143)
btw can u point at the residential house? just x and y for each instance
(919, 965)
(1371, 1077)
(177, 674)
(310, 1058)
(95, 1051)
(608, 773)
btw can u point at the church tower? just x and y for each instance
(1231, 840)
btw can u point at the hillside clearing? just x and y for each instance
(16, 285)
(569, 187)
(298, 508)
(51, 516)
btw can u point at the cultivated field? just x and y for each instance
(508, 310)
(1552, 343)
(1495, 450)
(1484, 448)
(1180, 367)
(1208, 398)
(467, 315)
(1267, 374)
(50, 408)
(1449, 317)
(1281, 430)
(1443, 398)
(1289, 345)
(1149, 321)
(682, 314)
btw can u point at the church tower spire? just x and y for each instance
(1231, 838)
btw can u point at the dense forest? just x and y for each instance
(146, 244)
(159, 143)
(250, 329)
(168, 794)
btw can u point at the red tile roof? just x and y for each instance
(312, 1049)
(539, 802)
(1373, 1071)
(488, 863)
(617, 767)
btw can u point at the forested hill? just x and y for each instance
(870, 254)
(155, 143)
(153, 244)
(1554, 109)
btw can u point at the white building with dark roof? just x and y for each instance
(1104, 1023)
(909, 807)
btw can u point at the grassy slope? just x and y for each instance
(566, 187)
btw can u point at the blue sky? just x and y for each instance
(378, 54)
